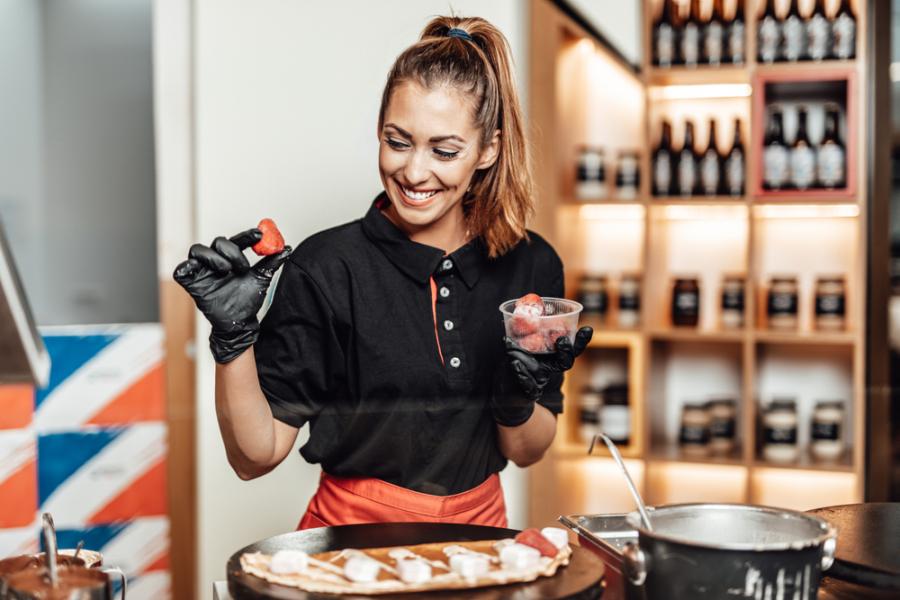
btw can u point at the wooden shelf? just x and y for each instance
(825, 67)
(814, 338)
(698, 200)
(674, 454)
(699, 75)
(687, 334)
(571, 450)
(807, 463)
(779, 200)
(603, 202)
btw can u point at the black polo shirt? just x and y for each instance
(395, 386)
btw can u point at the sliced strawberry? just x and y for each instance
(535, 539)
(272, 241)
(522, 325)
(532, 343)
(529, 304)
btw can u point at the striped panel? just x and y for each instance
(18, 478)
(16, 405)
(20, 540)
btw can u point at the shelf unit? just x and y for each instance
(582, 92)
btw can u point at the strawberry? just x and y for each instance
(535, 539)
(532, 343)
(553, 333)
(529, 304)
(272, 241)
(521, 325)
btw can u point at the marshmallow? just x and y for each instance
(413, 570)
(284, 562)
(468, 565)
(558, 536)
(361, 569)
(519, 557)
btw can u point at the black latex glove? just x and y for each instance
(533, 371)
(228, 291)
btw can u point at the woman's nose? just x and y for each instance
(416, 169)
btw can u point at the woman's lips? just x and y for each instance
(417, 198)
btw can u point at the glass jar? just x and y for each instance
(591, 403)
(593, 294)
(627, 175)
(694, 434)
(781, 307)
(686, 302)
(629, 301)
(722, 425)
(830, 303)
(827, 431)
(615, 416)
(590, 183)
(732, 302)
(780, 431)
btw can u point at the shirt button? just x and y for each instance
(454, 362)
(447, 264)
(445, 291)
(448, 325)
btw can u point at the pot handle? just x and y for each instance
(829, 548)
(122, 578)
(635, 563)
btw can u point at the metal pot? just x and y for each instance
(728, 551)
(74, 583)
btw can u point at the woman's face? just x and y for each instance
(429, 151)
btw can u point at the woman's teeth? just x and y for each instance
(418, 196)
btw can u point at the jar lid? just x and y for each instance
(784, 279)
(593, 277)
(783, 404)
(734, 277)
(722, 402)
(830, 278)
(695, 405)
(839, 404)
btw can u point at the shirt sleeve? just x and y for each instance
(298, 354)
(552, 398)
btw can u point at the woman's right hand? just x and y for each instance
(228, 291)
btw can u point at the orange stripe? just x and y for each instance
(160, 564)
(19, 497)
(143, 401)
(434, 316)
(17, 402)
(146, 496)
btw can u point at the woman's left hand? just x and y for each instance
(533, 371)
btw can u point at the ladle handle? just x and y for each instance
(631, 487)
(49, 532)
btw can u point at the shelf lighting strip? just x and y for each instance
(700, 91)
(806, 211)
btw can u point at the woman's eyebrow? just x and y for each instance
(400, 130)
(433, 140)
(444, 138)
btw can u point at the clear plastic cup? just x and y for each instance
(538, 334)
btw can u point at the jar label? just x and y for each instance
(712, 43)
(687, 173)
(734, 173)
(794, 38)
(825, 431)
(775, 166)
(829, 305)
(590, 416)
(662, 174)
(830, 165)
(844, 28)
(686, 303)
(709, 173)
(736, 42)
(690, 44)
(594, 302)
(733, 299)
(782, 304)
(818, 31)
(803, 167)
(665, 45)
(768, 39)
(722, 428)
(694, 434)
(629, 302)
(780, 435)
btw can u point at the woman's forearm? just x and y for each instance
(527, 443)
(255, 442)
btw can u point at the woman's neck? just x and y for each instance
(448, 233)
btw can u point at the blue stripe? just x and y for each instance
(95, 538)
(68, 353)
(60, 455)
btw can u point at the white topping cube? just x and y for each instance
(519, 557)
(558, 536)
(284, 562)
(468, 565)
(361, 569)
(413, 570)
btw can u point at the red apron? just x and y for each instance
(341, 501)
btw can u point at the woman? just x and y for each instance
(384, 333)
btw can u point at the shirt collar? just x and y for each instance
(420, 261)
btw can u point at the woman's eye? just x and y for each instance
(445, 154)
(396, 144)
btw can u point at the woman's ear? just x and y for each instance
(490, 152)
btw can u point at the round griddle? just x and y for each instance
(581, 579)
(868, 543)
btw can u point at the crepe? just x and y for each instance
(325, 572)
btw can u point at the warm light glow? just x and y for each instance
(677, 212)
(682, 482)
(803, 490)
(806, 211)
(701, 91)
(612, 212)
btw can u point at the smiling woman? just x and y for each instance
(384, 333)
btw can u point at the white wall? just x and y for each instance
(618, 20)
(287, 96)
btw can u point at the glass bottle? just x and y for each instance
(687, 163)
(664, 36)
(830, 166)
(736, 32)
(843, 29)
(711, 165)
(690, 36)
(793, 34)
(768, 34)
(802, 156)
(818, 33)
(714, 35)
(662, 163)
(734, 164)
(775, 153)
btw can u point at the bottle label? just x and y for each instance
(662, 174)
(687, 173)
(694, 434)
(733, 299)
(775, 166)
(736, 42)
(709, 173)
(794, 38)
(768, 40)
(830, 432)
(830, 165)
(780, 435)
(844, 36)
(690, 44)
(665, 45)
(818, 31)
(734, 173)
(803, 167)
(712, 43)
(829, 305)
(722, 428)
(782, 304)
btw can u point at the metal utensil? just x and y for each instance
(49, 531)
(78, 548)
(631, 487)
